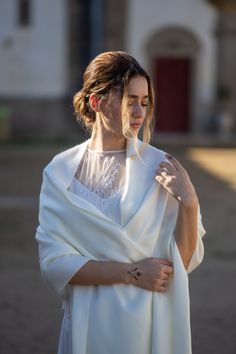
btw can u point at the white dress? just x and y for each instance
(74, 229)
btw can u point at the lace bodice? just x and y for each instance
(100, 179)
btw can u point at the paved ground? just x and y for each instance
(30, 311)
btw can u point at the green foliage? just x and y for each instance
(4, 112)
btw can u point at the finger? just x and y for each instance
(163, 173)
(167, 269)
(168, 167)
(160, 285)
(162, 282)
(165, 284)
(174, 162)
(163, 287)
(165, 276)
(165, 261)
(159, 171)
(160, 178)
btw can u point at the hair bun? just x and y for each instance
(82, 109)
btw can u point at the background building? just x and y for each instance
(45, 46)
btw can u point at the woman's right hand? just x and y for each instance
(151, 274)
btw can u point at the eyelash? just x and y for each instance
(142, 104)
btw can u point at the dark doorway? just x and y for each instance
(172, 88)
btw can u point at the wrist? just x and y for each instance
(133, 273)
(189, 202)
(127, 279)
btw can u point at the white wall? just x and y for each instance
(147, 17)
(33, 60)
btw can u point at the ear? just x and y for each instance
(94, 102)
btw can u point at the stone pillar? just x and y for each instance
(78, 41)
(226, 35)
(115, 24)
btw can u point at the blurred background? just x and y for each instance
(189, 49)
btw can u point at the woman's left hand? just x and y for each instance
(176, 181)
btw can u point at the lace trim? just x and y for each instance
(108, 206)
(102, 173)
(100, 180)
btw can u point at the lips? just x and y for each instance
(135, 125)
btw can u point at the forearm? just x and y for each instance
(102, 273)
(150, 273)
(186, 230)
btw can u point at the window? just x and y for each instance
(24, 12)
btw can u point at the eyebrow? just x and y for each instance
(135, 96)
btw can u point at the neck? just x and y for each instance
(104, 140)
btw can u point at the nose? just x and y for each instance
(138, 111)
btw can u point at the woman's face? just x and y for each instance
(137, 106)
(137, 92)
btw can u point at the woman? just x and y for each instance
(120, 225)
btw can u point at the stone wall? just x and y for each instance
(42, 119)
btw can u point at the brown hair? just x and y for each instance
(106, 72)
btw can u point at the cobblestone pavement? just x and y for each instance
(31, 312)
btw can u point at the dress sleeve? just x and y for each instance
(198, 254)
(60, 264)
(59, 260)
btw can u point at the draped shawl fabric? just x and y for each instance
(117, 319)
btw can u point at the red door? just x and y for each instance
(172, 88)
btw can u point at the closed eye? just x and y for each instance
(143, 104)
(130, 103)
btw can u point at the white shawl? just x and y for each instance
(117, 319)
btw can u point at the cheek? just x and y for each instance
(112, 111)
(145, 112)
(115, 116)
